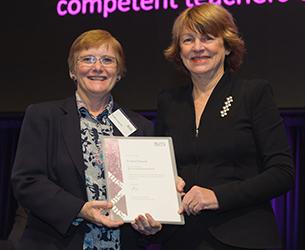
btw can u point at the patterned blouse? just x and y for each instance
(92, 130)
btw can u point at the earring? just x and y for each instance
(73, 77)
(118, 78)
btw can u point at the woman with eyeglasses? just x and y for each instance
(58, 175)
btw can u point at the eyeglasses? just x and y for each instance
(90, 60)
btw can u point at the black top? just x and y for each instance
(243, 156)
(48, 176)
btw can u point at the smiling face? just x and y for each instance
(202, 54)
(95, 80)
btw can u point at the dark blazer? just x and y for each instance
(48, 176)
(244, 157)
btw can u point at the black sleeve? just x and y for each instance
(277, 173)
(31, 183)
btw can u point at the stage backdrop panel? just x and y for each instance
(36, 36)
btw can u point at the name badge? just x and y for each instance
(121, 121)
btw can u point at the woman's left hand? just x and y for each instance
(146, 225)
(197, 199)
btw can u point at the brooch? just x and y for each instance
(226, 107)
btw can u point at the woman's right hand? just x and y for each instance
(93, 212)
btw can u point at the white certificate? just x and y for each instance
(141, 178)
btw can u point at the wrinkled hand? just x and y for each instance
(197, 199)
(146, 225)
(92, 211)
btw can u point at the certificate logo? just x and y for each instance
(159, 144)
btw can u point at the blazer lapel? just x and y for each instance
(71, 133)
